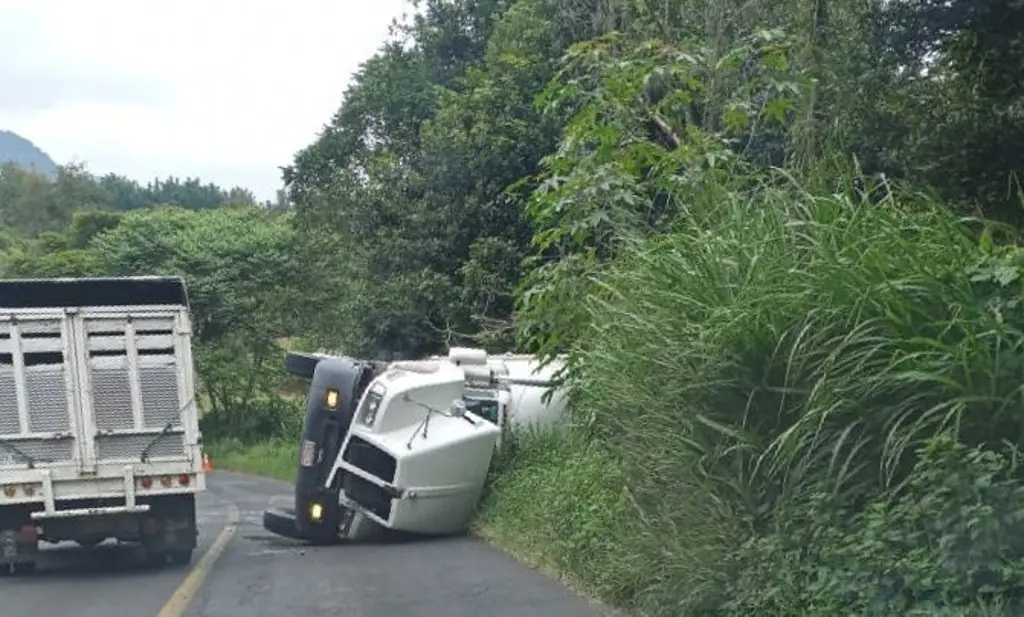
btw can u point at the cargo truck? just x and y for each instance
(99, 434)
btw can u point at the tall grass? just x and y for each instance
(787, 334)
(275, 458)
(779, 356)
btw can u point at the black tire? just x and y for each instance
(23, 568)
(281, 522)
(301, 363)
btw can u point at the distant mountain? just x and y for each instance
(23, 153)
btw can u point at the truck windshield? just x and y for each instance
(371, 405)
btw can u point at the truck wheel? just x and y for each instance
(23, 568)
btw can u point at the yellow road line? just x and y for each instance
(176, 605)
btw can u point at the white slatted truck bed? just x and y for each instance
(99, 434)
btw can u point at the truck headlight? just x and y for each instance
(316, 511)
(331, 398)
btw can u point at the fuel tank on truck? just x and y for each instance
(520, 388)
(530, 404)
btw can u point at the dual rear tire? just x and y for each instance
(173, 530)
(22, 568)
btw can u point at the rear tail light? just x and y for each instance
(11, 490)
(29, 534)
(146, 482)
(184, 479)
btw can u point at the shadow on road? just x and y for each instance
(70, 561)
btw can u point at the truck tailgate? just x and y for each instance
(138, 398)
(92, 387)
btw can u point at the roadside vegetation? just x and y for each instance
(779, 241)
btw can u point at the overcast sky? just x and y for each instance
(221, 89)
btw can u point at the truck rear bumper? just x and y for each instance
(120, 489)
(34, 488)
(76, 512)
(50, 510)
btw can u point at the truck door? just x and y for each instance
(136, 392)
(37, 389)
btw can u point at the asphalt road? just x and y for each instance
(261, 575)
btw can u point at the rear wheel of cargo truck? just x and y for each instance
(19, 543)
(169, 531)
(22, 568)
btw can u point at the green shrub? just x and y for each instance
(556, 499)
(949, 542)
(264, 417)
(276, 458)
(790, 334)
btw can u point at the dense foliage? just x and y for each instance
(777, 239)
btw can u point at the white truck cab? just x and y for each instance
(414, 458)
(420, 444)
(407, 446)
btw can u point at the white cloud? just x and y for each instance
(222, 89)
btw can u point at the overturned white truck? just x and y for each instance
(405, 446)
(99, 434)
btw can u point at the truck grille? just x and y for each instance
(160, 404)
(8, 404)
(111, 399)
(370, 458)
(375, 461)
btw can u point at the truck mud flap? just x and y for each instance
(66, 292)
